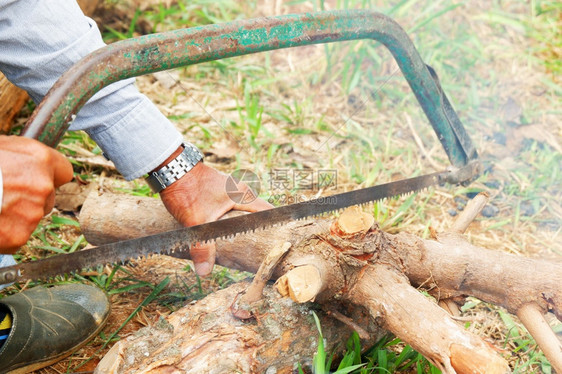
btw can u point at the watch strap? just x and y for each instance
(175, 169)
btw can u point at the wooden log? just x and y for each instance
(128, 213)
(390, 296)
(345, 263)
(206, 338)
(457, 268)
(12, 99)
(110, 217)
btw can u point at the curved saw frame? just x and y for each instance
(172, 49)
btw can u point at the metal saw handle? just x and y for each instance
(172, 49)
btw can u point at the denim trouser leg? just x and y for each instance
(6, 260)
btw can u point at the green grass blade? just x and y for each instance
(432, 17)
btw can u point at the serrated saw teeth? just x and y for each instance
(183, 239)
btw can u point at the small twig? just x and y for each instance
(533, 318)
(472, 209)
(465, 218)
(469, 319)
(451, 307)
(255, 289)
(349, 322)
(265, 271)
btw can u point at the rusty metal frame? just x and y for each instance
(156, 52)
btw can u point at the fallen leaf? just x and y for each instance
(227, 148)
(96, 161)
(167, 79)
(71, 196)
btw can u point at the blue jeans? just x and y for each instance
(6, 260)
(40, 40)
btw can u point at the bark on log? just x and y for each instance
(351, 266)
(128, 214)
(451, 348)
(457, 268)
(12, 99)
(207, 338)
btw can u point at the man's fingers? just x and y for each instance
(254, 206)
(203, 257)
(62, 168)
(45, 156)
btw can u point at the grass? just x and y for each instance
(381, 358)
(346, 106)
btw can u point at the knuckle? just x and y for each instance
(44, 188)
(42, 153)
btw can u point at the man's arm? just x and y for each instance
(41, 40)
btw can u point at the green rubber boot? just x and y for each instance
(49, 324)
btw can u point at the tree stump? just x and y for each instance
(351, 265)
(207, 338)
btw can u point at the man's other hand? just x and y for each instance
(31, 171)
(198, 197)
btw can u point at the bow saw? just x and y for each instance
(156, 52)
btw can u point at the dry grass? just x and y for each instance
(489, 60)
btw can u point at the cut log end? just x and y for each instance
(301, 284)
(353, 221)
(476, 360)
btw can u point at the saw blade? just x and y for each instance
(182, 239)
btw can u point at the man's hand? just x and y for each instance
(199, 197)
(31, 171)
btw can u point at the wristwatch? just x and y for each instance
(175, 169)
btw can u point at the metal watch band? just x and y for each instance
(175, 169)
